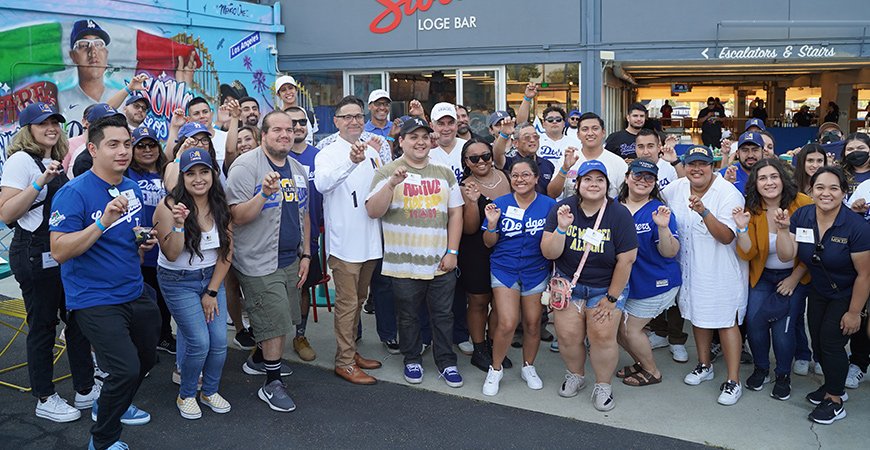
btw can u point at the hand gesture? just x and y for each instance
(179, 118)
(859, 206)
(831, 158)
(662, 216)
(782, 219)
(398, 176)
(731, 174)
(137, 84)
(531, 90)
(564, 217)
(669, 153)
(741, 217)
(415, 109)
(114, 210)
(492, 213)
(357, 152)
(695, 204)
(53, 169)
(507, 126)
(471, 192)
(725, 145)
(187, 144)
(395, 129)
(209, 307)
(271, 183)
(223, 115)
(570, 158)
(375, 142)
(179, 214)
(184, 69)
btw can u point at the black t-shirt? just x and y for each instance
(803, 119)
(621, 144)
(83, 163)
(711, 128)
(620, 235)
(760, 113)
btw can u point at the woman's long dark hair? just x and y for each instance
(655, 194)
(800, 172)
(580, 198)
(754, 203)
(847, 168)
(466, 171)
(220, 211)
(160, 163)
(841, 177)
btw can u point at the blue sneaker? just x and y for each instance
(452, 377)
(554, 346)
(133, 416)
(118, 445)
(413, 373)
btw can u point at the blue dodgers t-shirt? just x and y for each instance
(849, 234)
(151, 185)
(545, 171)
(742, 176)
(517, 254)
(619, 237)
(108, 272)
(652, 274)
(315, 198)
(295, 195)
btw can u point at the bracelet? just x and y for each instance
(560, 231)
(706, 211)
(391, 139)
(100, 225)
(37, 187)
(503, 135)
(453, 252)
(526, 98)
(743, 230)
(563, 171)
(492, 231)
(264, 195)
(676, 163)
(178, 230)
(128, 90)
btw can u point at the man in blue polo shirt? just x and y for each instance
(748, 153)
(93, 237)
(379, 123)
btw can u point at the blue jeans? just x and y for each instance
(802, 343)
(385, 308)
(202, 346)
(437, 293)
(590, 296)
(759, 331)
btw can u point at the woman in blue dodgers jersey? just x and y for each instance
(514, 225)
(655, 276)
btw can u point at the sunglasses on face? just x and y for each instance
(554, 119)
(648, 177)
(299, 122)
(476, 158)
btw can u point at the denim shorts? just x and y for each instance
(590, 296)
(518, 286)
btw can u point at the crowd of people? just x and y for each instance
(469, 242)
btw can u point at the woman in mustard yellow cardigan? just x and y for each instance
(777, 293)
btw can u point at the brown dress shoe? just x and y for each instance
(365, 363)
(355, 375)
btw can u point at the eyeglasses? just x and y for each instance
(113, 191)
(530, 137)
(476, 158)
(138, 106)
(816, 259)
(82, 45)
(144, 145)
(348, 118)
(524, 175)
(300, 122)
(648, 177)
(554, 119)
(382, 104)
(201, 141)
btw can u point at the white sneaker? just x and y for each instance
(56, 409)
(818, 369)
(493, 378)
(572, 384)
(701, 373)
(466, 347)
(679, 353)
(602, 397)
(801, 367)
(657, 341)
(854, 377)
(731, 392)
(87, 401)
(529, 374)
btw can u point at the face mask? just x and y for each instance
(858, 158)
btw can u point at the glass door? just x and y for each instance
(481, 90)
(362, 84)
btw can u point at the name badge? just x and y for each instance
(301, 181)
(47, 261)
(593, 237)
(209, 241)
(805, 235)
(515, 213)
(413, 179)
(132, 200)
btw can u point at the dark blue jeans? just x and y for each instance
(408, 295)
(760, 332)
(385, 308)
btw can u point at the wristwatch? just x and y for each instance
(611, 298)
(305, 256)
(211, 293)
(677, 162)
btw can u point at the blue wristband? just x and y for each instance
(264, 195)
(743, 230)
(453, 252)
(128, 90)
(100, 225)
(503, 135)
(391, 139)
(37, 187)
(560, 231)
(706, 211)
(526, 98)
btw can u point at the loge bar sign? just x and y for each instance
(391, 17)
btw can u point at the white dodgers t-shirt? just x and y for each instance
(453, 160)
(616, 168)
(553, 150)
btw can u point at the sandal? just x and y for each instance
(641, 378)
(628, 371)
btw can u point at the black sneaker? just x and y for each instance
(369, 306)
(481, 358)
(715, 352)
(782, 387)
(245, 339)
(745, 356)
(816, 397)
(758, 378)
(392, 346)
(167, 345)
(827, 412)
(506, 363)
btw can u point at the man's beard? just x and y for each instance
(462, 129)
(252, 120)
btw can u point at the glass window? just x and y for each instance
(320, 92)
(479, 90)
(558, 84)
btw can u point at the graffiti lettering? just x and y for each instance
(395, 10)
(10, 105)
(232, 9)
(167, 95)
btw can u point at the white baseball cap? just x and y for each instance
(443, 109)
(286, 79)
(379, 94)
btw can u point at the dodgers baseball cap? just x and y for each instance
(573, 113)
(85, 28)
(191, 128)
(413, 124)
(443, 109)
(643, 165)
(285, 79)
(136, 97)
(194, 156)
(754, 123)
(378, 94)
(38, 113)
(751, 137)
(698, 153)
(589, 166)
(496, 116)
(144, 132)
(100, 110)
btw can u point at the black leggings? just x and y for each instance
(829, 343)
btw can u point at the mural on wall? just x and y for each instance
(73, 62)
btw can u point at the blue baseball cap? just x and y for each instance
(698, 153)
(84, 28)
(38, 113)
(589, 166)
(191, 128)
(754, 123)
(136, 97)
(495, 117)
(751, 137)
(100, 110)
(574, 113)
(643, 165)
(194, 156)
(144, 132)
